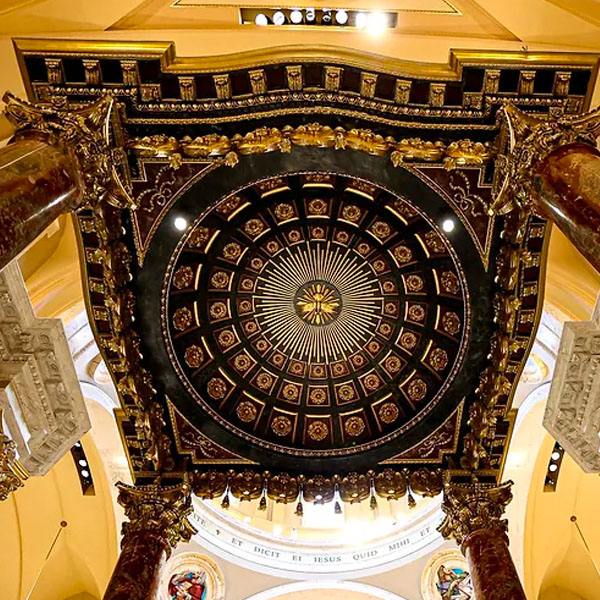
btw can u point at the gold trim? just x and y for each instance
(398, 460)
(234, 459)
(452, 12)
(335, 55)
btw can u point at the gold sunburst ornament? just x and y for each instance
(318, 303)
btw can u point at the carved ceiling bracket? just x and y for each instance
(43, 407)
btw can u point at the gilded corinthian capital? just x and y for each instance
(527, 141)
(473, 507)
(158, 510)
(85, 131)
(12, 474)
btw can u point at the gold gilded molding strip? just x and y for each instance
(456, 154)
(452, 10)
(317, 111)
(171, 63)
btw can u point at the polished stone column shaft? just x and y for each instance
(491, 567)
(474, 519)
(157, 521)
(137, 572)
(39, 181)
(566, 190)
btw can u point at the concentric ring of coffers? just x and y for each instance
(315, 314)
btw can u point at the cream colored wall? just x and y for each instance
(555, 555)
(84, 555)
(572, 284)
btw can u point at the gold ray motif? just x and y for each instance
(318, 303)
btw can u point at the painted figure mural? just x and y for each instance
(454, 584)
(189, 585)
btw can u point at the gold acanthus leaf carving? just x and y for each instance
(473, 507)
(467, 153)
(134, 382)
(529, 140)
(457, 154)
(160, 510)
(12, 474)
(85, 131)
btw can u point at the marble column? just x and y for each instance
(157, 521)
(38, 182)
(566, 190)
(474, 519)
(552, 167)
(60, 158)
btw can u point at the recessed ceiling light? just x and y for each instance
(376, 23)
(180, 223)
(360, 20)
(261, 19)
(278, 18)
(555, 455)
(553, 468)
(83, 462)
(448, 225)
(310, 15)
(85, 473)
(296, 16)
(341, 17)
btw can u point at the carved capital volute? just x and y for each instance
(85, 132)
(12, 474)
(161, 511)
(526, 141)
(474, 507)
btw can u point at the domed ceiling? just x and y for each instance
(314, 314)
(310, 296)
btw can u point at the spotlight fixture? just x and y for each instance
(360, 20)
(278, 18)
(261, 19)
(554, 463)
(83, 469)
(296, 16)
(448, 225)
(341, 17)
(180, 223)
(376, 23)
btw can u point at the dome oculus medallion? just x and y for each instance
(315, 314)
